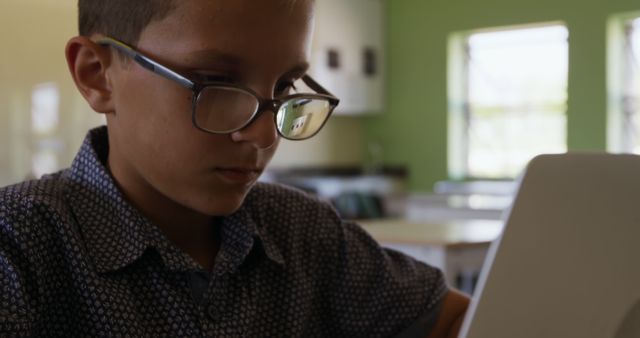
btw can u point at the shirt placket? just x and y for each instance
(214, 309)
(228, 305)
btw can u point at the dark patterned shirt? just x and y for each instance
(77, 260)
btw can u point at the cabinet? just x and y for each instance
(348, 55)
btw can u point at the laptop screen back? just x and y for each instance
(568, 262)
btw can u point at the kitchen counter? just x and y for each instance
(450, 233)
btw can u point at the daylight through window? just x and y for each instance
(631, 91)
(516, 97)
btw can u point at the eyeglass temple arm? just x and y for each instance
(171, 75)
(317, 87)
(147, 62)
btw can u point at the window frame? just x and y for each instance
(458, 97)
(619, 111)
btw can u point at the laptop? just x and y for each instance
(568, 262)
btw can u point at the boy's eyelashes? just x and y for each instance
(207, 78)
(284, 88)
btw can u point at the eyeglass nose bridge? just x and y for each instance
(264, 104)
(271, 104)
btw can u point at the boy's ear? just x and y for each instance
(88, 63)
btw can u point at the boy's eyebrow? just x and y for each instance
(215, 55)
(298, 70)
(227, 59)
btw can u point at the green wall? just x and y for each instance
(413, 130)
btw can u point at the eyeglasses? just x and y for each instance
(223, 108)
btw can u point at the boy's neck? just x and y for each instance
(196, 235)
(193, 232)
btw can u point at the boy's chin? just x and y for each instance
(221, 205)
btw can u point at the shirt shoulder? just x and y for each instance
(28, 199)
(32, 212)
(286, 200)
(359, 279)
(45, 189)
(290, 215)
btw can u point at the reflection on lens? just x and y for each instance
(301, 118)
(221, 109)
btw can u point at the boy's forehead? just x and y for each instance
(258, 33)
(239, 21)
(245, 11)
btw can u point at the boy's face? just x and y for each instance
(156, 152)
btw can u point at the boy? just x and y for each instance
(159, 227)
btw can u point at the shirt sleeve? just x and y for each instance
(15, 284)
(380, 292)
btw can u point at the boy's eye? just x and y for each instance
(284, 88)
(208, 78)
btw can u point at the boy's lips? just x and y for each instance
(238, 175)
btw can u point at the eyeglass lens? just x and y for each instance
(301, 118)
(223, 110)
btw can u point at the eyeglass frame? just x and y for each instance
(197, 87)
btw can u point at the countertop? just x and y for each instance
(449, 233)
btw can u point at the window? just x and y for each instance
(43, 162)
(508, 97)
(631, 91)
(45, 111)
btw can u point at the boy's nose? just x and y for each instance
(261, 132)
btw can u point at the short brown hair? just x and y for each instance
(121, 19)
(125, 19)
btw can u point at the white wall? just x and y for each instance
(33, 35)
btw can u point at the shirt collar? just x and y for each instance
(116, 234)
(240, 234)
